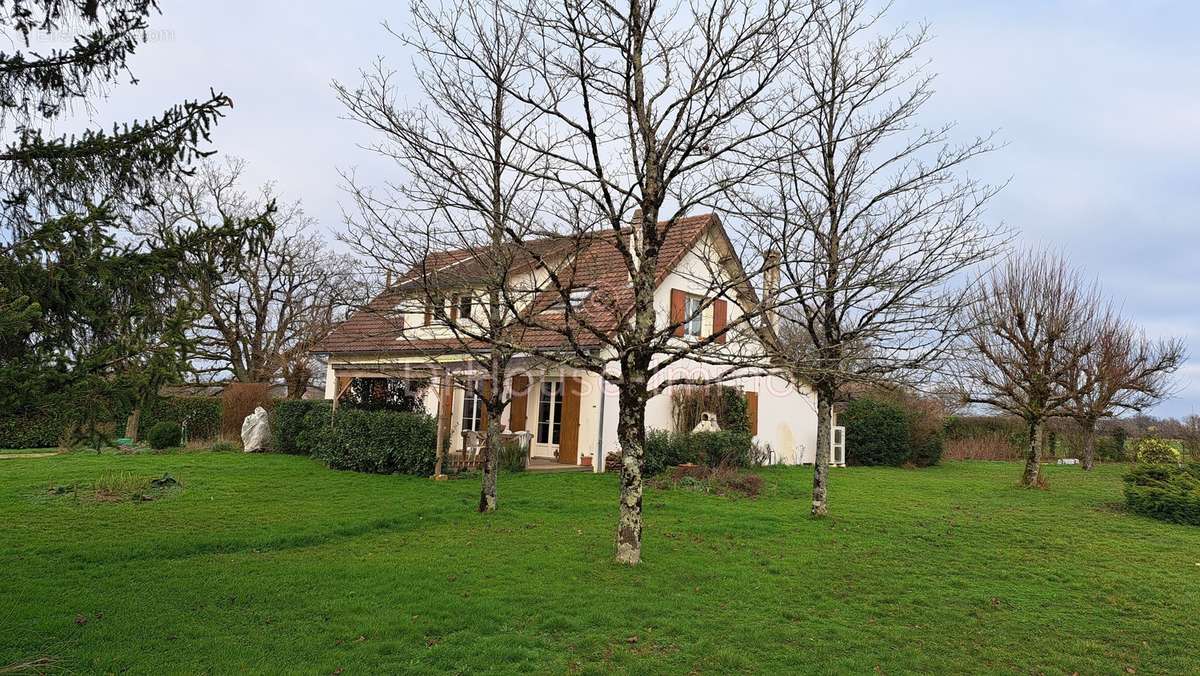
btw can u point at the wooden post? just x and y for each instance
(341, 389)
(441, 428)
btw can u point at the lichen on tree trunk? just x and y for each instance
(631, 434)
(820, 491)
(494, 399)
(1033, 456)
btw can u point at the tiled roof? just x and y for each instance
(598, 265)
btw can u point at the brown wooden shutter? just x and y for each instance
(677, 303)
(453, 308)
(446, 409)
(520, 401)
(720, 308)
(568, 439)
(752, 411)
(428, 312)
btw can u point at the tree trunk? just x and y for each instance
(631, 434)
(1033, 457)
(1089, 444)
(131, 425)
(820, 491)
(491, 457)
(491, 444)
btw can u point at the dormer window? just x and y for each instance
(464, 306)
(576, 297)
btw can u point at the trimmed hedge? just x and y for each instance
(380, 442)
(884, 433)
(202, 416)
(1165, 492)
(711, 449)
(45, 427)
(34, 429)
(289, 421)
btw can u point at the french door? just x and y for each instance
(550, 407)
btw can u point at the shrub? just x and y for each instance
(290, 418)
(513, 456)
(893, 429)
(164, 435)
(877, 433)
(381, 442)
(726, 448)
(663, 450)
(238, 401)
(711, 449)
(1152, 450)
(1164, 491)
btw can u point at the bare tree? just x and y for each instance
(648, 109)
(276, 296)
(469, 186)
(1027, 334)
(875, 230)
(1123, 372)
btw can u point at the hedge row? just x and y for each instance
(380, 442)
(883, 433)
(1167, 492)
(711, 449)
(46, 427)
(200, 416)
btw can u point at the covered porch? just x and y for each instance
(554, 413)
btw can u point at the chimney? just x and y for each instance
(637, 217)
(771, 287)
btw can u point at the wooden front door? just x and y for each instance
(568, 446)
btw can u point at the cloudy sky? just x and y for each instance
(1097, 102)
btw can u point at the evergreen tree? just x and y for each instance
(89, 313)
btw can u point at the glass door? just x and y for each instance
(549, 425)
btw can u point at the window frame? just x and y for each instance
(471, 419)
(693, 307)
(549, 419)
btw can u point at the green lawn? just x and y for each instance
(275, 564)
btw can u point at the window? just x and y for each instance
(464, 307)
(472, 407)
(693, 318)
(575, 298)
(550, 413)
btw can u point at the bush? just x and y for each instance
(513, 456)
(885, 432)
(381, 442)
(1152, 451)
(164, 435)
(1166, 492)
(711, 449)
(290, 418)
(877, 433)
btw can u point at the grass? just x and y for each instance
(270, 563)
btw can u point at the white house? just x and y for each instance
(570, 414)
